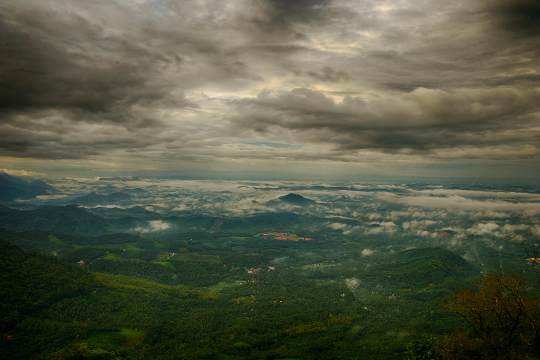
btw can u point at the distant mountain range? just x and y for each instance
(13, 187)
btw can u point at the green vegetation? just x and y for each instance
(220, 301)
(219, 288)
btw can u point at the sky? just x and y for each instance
(271, 88)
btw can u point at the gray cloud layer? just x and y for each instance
(339, 80)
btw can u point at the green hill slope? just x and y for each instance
(29, 282)
(421, 267)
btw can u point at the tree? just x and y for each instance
(503, 322)
(422, 349)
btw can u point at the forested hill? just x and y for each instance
(32, 283)
(35, 281)
(13, 187)
(56, 219)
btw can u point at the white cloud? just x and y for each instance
(367, 252)
(338, 226)
(455, 202)
(510, 228)
(425, 234)
(352, 283)
(479, 194)
(418, 224)
(374, 216)
(29, 173)
(485, 229)
(488, 214)
(153, 226)
(384, 227)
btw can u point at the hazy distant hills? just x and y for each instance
(56, 219)
(76, 220)
(68, 247)
(101, 199)
(12, 188)
(265, 221)
(60, 216)
(118, 212)
(296, 199)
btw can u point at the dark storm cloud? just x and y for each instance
(438, 86)
(61, 61)
(521, 17)
(298, 10)
(203, 79)
(51, 135)
(420, 120)
(101, 62)
(54, 58)
(329, 74)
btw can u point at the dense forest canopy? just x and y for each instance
(228, 270)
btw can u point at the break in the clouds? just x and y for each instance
(245, 85)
